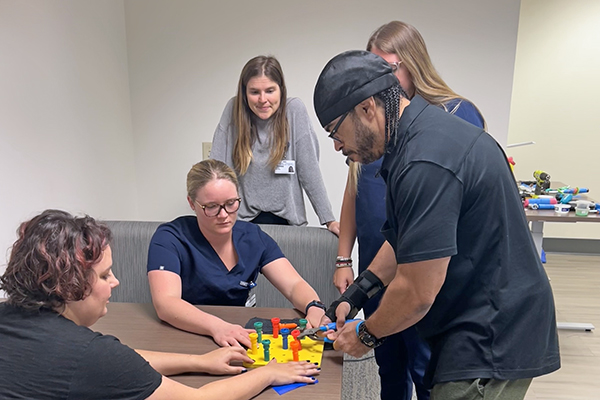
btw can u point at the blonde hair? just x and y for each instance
(205, 171)
(353, 175)
(406, 42)
(242, 115)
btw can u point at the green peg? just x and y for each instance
(302, 324)
(258, 326)
(266, 344)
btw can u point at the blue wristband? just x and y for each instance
(358, 326)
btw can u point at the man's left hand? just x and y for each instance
(347, 340)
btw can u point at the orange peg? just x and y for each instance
(294, 345)
(288, 326)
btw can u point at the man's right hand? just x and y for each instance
(341, 313)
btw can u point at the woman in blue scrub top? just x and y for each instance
(210, 259)
(403, 357)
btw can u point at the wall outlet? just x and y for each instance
(206, 146)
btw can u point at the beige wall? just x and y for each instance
(553, 103)
(104, 104)
(65, 120)
(185, 58)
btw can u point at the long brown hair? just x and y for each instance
(242, 115)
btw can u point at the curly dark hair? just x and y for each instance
(51, 261)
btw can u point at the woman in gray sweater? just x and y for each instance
(268, 139)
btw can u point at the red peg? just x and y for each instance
(275, 324)
(295, 333)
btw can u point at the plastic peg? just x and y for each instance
(275, 324)
(266, 344)
(284, 338)
(259, 326)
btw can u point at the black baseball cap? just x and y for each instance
(348, 79)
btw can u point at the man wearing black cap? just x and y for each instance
(459, 261)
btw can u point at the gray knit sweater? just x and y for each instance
(263, 190)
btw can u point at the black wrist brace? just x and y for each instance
(364, 287)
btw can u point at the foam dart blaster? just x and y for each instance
(566, 198)
(313, 332)
(542, 181)
(540, 203)
(542, 206)
(575, 190)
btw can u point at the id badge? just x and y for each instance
(251, 302)
(287, 167)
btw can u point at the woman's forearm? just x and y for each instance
(185, 316)
(171, 363)
(347, 223)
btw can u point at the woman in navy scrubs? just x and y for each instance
(210, 259)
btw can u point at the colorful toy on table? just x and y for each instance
(542, 180)
(284, 338)
(313, 332)
(295, 333)
(282, 347)
(541, 203)
(566, 194)
(295, 348)
(302, 322)
(564, 198)
(575, 190)
(512, 163)
(254, 342)
(258, 326)
(275, 325)
(542, 206)
(266, 344)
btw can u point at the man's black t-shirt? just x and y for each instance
(46, 356)
(450, 193)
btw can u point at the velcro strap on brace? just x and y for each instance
(364, 287)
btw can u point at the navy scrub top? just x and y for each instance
(179, 246)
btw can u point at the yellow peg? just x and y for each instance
(254, 342)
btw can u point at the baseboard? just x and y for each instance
(566, 245)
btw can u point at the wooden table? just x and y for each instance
(137, 326)
(537, 219)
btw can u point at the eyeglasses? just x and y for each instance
(336, 127)
(395, 65)
(212, 210)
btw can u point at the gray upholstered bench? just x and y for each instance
(311, 251)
